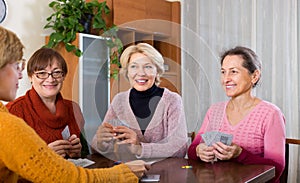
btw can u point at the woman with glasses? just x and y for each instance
(44, 108)
(23, 153)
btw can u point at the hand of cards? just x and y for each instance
(212, 137)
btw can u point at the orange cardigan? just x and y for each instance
(23, 153)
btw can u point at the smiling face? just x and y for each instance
(236, 79)
(48, 88)
(9, 81)
(141, 72)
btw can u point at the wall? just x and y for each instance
(27, 18)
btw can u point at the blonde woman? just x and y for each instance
(152, 119)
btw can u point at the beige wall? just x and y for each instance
(27, 18)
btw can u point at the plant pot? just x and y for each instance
(86, 21)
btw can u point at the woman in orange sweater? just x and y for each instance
(23, 153)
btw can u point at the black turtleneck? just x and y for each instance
(144, 103)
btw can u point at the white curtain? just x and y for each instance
(270, 28)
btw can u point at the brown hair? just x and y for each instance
(251, 62)
(44, 57)
(11, 49)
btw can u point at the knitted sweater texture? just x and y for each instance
(261, 134)
(35, 113)
(23, 153)
(166, 134)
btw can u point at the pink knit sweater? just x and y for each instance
(261, 134)
(166, 134)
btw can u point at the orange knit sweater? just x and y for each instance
(23, 153)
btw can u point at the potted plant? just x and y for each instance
(72, 16)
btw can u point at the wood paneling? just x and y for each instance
(128, 10)
(156, 22)
(70, 86)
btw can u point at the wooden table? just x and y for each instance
(171, 171)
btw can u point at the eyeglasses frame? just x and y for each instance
(21, 64)
(50, 74)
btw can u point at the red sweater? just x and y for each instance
(49, 126)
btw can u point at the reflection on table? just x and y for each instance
(171, 171)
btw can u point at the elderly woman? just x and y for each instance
(151, 119)
(23, 153)
(44, 109)
(253, 122)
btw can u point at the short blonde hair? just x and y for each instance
(147, 50)
(11, 48)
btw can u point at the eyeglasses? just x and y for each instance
(45, 75)
(21, 65)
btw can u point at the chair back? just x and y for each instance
(191, 135)
(288, 141)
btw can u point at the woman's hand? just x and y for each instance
(138, 167)
(104, 134)
(75, 150)
(205, 153)
(127, 136)
(61, 147)
(224, 152)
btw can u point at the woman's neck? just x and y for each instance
(50, 103)
(242, 102)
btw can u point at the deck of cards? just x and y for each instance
(212, 137)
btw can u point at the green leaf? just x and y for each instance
(78, 52)
(65, 23)
(70, 47)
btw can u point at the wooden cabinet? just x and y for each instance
(156, 22)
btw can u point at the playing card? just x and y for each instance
(225, 138)
(117, 122)
(212, 137)
(209, 137)
(66, 133)
(81, 162)
(204, 138)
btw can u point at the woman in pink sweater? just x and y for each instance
(146, 121)
(257, 126)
